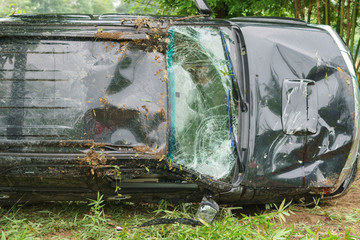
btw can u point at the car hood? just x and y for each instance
(304, 95)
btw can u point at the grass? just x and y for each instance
(97, 220)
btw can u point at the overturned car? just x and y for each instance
(246, 110)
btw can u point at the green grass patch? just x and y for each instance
(97, 220)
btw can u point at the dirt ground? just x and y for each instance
(337, 216)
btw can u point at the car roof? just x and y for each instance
(86, 25)
(129, 19)
(115, 19)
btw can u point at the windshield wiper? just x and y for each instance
(243, 104)
(234, 81)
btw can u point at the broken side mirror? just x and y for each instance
(299, 107)
(207, 211)
(203, 7)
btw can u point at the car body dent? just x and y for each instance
(278, 159)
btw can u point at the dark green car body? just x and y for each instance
(147, 108)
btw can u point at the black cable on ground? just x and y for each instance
(160, 221)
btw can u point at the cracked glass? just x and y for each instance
(204, 109)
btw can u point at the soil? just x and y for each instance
(337, 216)
(61, 234)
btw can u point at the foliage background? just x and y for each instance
(342, 15)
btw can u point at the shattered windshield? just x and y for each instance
(204, 111)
